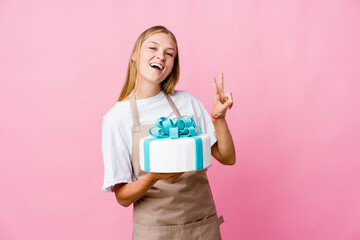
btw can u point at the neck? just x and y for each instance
(147, 90)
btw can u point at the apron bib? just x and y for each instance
(184, 209)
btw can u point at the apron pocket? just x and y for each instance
(206, 229)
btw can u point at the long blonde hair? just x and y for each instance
(168, 85)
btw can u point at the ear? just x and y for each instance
(133, 57)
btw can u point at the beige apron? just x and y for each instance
(181, 210)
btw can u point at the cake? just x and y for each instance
(175, 145)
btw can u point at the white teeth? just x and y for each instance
(155, 64)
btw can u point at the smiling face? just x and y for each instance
(156, 59)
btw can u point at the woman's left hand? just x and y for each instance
(222, 101)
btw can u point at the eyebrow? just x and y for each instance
(159, 45)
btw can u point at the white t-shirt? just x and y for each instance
(117, 130)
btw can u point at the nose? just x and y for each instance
(160, 55)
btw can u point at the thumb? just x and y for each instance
(227, 103)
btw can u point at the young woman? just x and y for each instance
(166, 205)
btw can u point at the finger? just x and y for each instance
(221, 82)
(179, 174)
(176, 177)
(226, 105)
(176, 174)
(215, 86)
(217, 98)
(230, 99)
(230, 105)
(229, 96)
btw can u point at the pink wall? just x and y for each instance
(293, 69)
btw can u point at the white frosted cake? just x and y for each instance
(175, 155)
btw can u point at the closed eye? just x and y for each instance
(152, 48)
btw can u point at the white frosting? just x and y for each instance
(175, 155)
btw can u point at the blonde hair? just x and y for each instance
(168, 84)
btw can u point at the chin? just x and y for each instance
(156, 79)
(153, 80)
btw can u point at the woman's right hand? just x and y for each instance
(127, 193)
(173, 177)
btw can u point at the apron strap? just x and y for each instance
(172, 104)
(135, 113)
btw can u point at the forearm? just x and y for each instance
(224, 150)
(128, 193)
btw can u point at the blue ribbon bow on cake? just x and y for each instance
(175, 128)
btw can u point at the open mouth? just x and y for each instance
(156, 66)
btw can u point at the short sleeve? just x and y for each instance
(116, 155)
(205, 121)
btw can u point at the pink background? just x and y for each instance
(293, 69)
